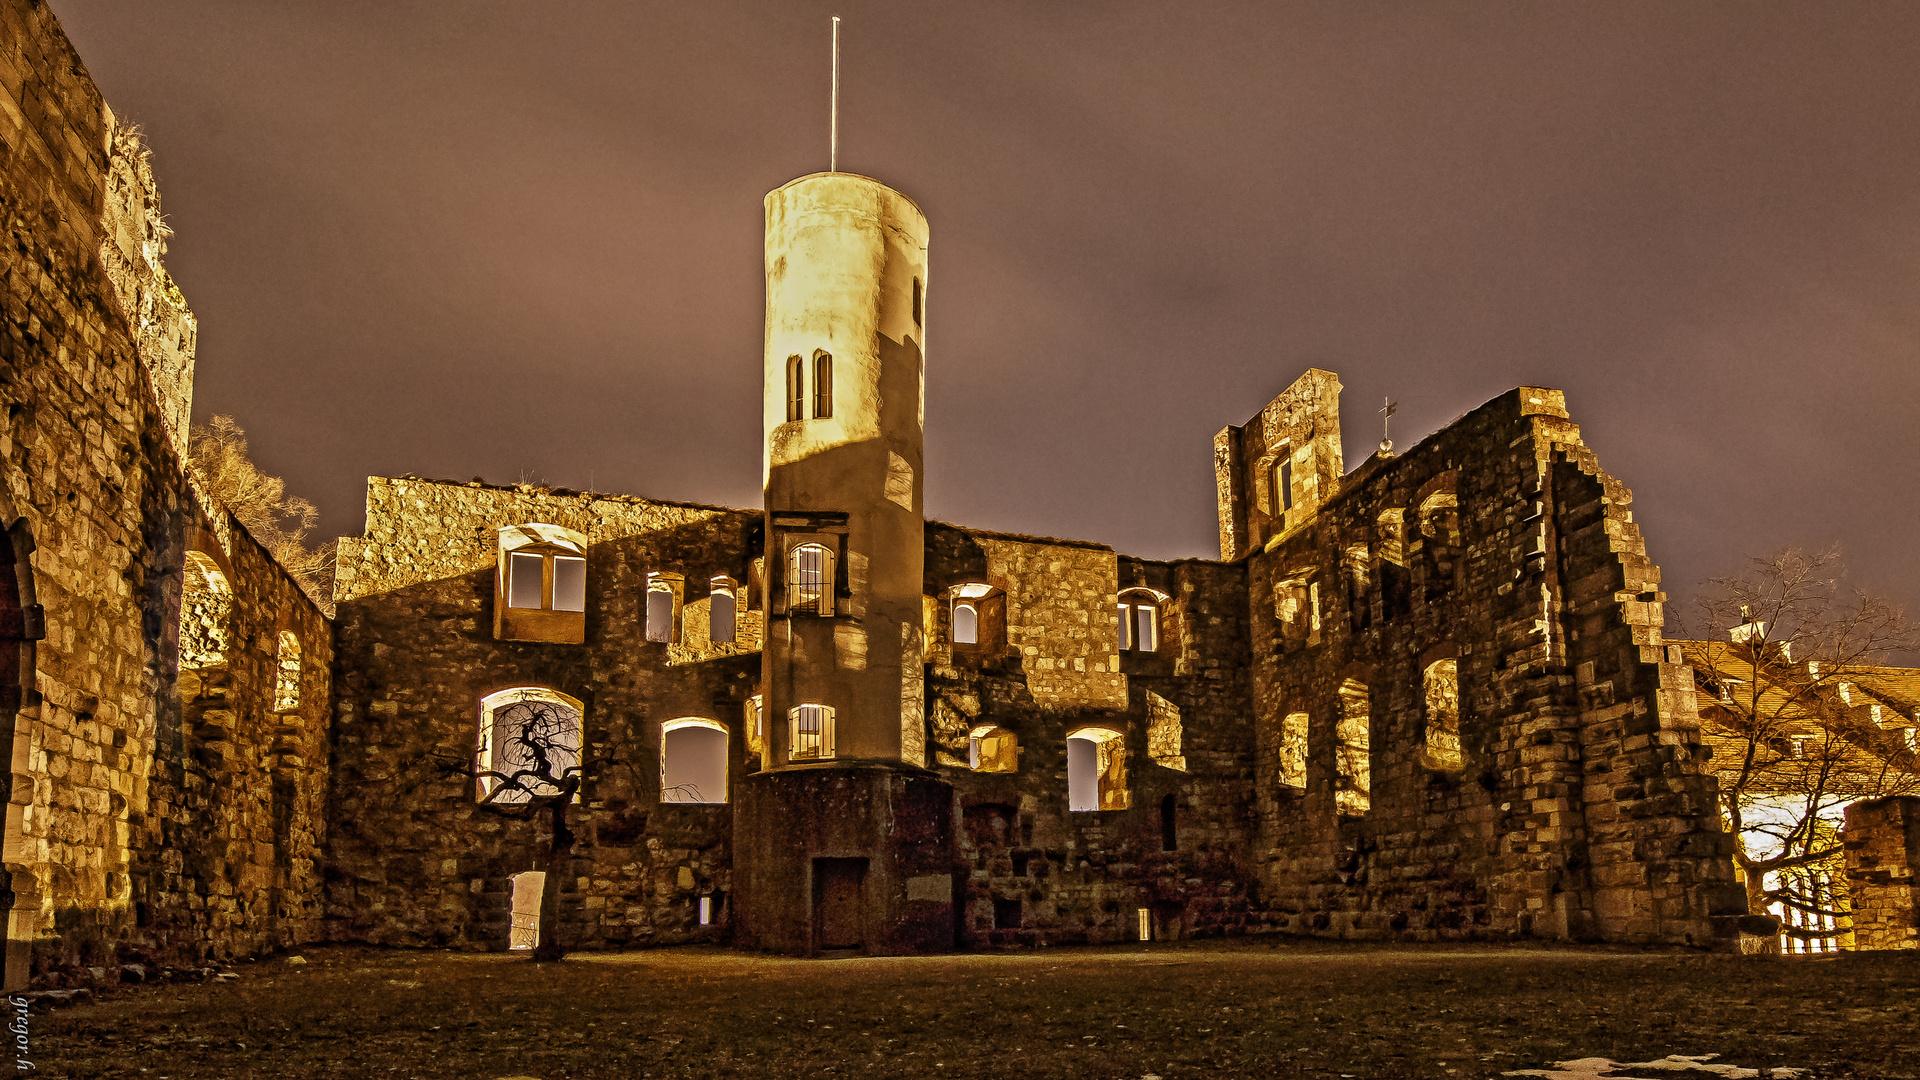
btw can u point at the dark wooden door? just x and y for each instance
(839, 903)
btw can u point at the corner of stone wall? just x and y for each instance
(1882, 840)
(1660, 863)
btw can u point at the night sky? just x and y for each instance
(523, 241)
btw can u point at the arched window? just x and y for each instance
(993, 749)
(1096, 769)
(822, 384)
(693, 761)
(529, 743)
(663, 606)
(810, 580)
(810, 734)
(206, 605)
(1140, 620)
(796, 389)
(1440, 741)
(966, 623)
(541, 592)
(978, 620)
(722, 610)
(286, 683)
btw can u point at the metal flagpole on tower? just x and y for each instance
(833, 137)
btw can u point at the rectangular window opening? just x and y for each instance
(1147, 633)
(525, 587)
(706, 911)
(1145, 918)
(569, 583)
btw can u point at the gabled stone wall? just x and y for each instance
(1077, 876)
(1579, 805)
(414, 860)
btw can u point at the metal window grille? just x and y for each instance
(810, 581)
(812, 735)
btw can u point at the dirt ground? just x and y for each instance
(1285, 1008)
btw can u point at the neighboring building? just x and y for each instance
(1798, 743)
(1425, 698)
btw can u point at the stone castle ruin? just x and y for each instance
(1427, 697)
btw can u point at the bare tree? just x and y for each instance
(1786, 678)
(217, 458)
(529, 767)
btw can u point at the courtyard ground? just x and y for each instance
(1263, 1008)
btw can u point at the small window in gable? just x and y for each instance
(796, 389)
(286, 684)
(529, 744)
(993, 749)
(810, 574)
(663, 606)
(693, 761)
(723, 610)
(541, 584)
(810, 733)
(1096, 769)
(1140, 620)
(822, 384)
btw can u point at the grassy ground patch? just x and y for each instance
(1221, 1009)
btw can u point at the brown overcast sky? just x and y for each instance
(522, 240)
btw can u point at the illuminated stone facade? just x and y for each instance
(1427, 697)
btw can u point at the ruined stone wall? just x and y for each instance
(124, 831)
(1036, 871)
(1882, 841)
(414, 860)
(1572, 800)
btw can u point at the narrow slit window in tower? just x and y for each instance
(796, 388)
(822, 384)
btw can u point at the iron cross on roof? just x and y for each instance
(1386, 424)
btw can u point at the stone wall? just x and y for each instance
(133, 826)
(1573, 800)
(415, 860)
(1882, 841)
(1036, 871)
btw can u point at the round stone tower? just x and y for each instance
(843, 840)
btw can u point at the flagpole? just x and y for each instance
(833, 137)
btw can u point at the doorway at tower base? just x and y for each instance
(840, 857)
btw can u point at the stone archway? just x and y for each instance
(21, 625)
